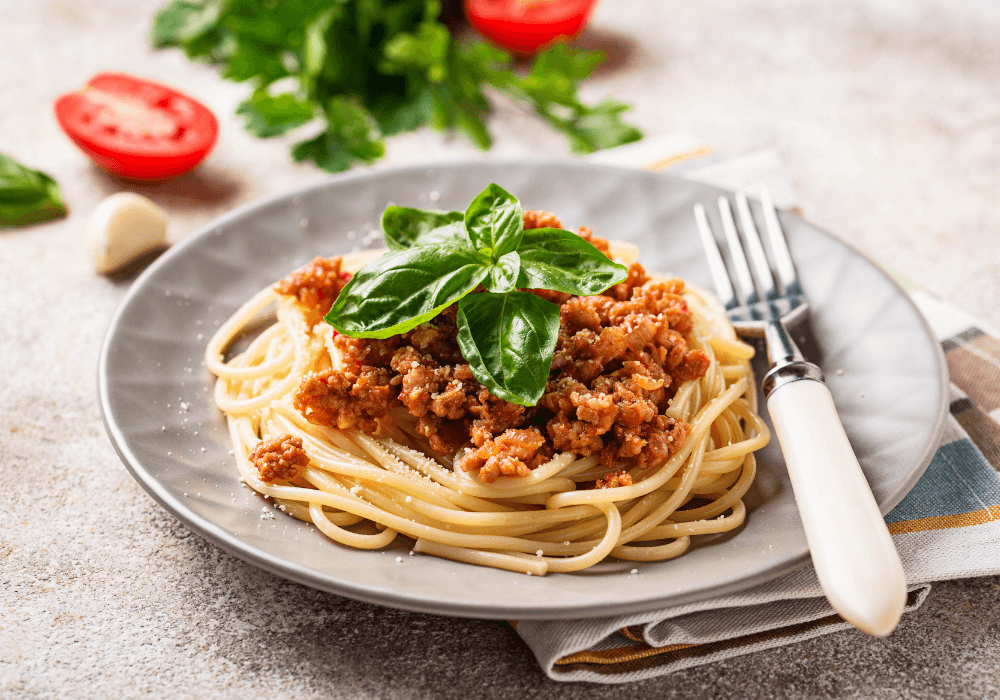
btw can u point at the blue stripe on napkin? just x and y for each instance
(958, 482)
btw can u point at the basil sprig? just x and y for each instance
(27, 196)
(437, 258)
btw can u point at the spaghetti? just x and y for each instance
(363, 490)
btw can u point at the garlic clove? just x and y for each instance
(122, 228)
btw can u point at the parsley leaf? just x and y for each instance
(551, 89)
(351, 135)
(272, 116)
(373, 68)
(27, 196)
(192, 25)
(183, 22)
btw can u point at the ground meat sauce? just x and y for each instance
(614, 479)
(280, 458)
(316, 285)
(619, 359)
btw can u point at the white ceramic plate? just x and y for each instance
(884, 368)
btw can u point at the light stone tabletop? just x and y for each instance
(887, 118)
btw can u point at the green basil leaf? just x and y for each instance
(401, 290)
(503, 274)
(269, 116)
(509, 340)
(495, 221)
(404, 227)
(560, 260)
(27, 196)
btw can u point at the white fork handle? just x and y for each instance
(856, 562)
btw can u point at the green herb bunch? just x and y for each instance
(437, 258)
(27, 196)
(367, 69)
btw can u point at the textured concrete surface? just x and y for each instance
(888, 120)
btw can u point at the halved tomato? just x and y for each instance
(525, 26)
(137, 129)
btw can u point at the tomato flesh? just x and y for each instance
(526, 26)
(137, 129)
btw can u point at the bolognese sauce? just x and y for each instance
(619, 359)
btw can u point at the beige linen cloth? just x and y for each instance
(947, 527)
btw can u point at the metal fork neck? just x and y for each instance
(781, 349)
(786, 360)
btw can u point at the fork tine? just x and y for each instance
(755, 248)
(743, 278)
(782, 258)
(720, 277)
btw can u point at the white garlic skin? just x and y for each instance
(122, 228)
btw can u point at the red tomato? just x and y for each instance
(135, 128)
(525, 26)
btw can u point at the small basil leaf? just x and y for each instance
(509, 340)
(405, 228)
(401, 290)
(495, 221)
(560, 260)
(503, 274)
(27, 196)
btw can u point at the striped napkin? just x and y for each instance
(947, 527)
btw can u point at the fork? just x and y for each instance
(856, 562)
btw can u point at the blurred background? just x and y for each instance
(885, 115)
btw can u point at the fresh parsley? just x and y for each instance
(27, 196)
(362, 70)
(437, 258)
